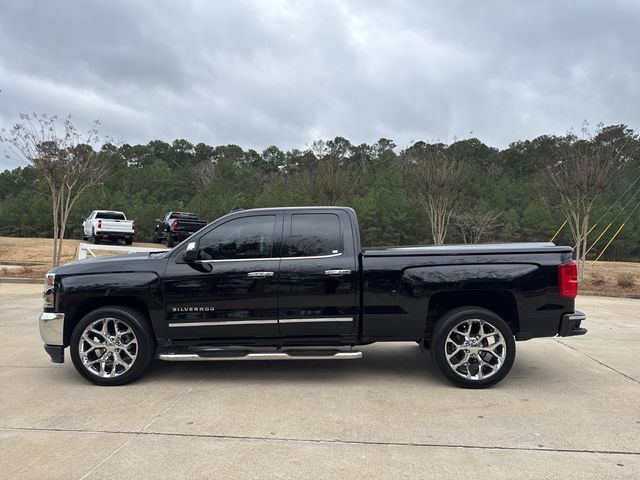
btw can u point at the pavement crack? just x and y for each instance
(173, 404)
(100, 463)
(134, 434)
(325, 441)
(628, 377)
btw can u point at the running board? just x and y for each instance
(208, 356)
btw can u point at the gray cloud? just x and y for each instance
(279, 72)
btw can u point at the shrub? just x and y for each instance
(626, 280)
(597, 279)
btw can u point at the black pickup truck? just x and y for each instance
(176, 227)
(294, 283)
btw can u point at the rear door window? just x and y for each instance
(314, 234)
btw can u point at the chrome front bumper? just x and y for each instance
(52, 328)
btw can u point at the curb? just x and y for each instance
(591, 293)
(20, 280)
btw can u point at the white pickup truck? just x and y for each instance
(108, 225)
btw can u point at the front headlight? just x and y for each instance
(49, 290)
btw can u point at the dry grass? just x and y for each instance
(603, 278)
(38, 250)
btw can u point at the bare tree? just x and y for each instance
(65, 159)
(206, 172)
(330, 177)
(578, 173)
(473, 226)
(439, 176)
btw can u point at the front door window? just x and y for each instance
(239, 239)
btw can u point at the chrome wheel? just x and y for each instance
(475, 349)
(108, 347)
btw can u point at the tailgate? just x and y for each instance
(119, 226)
(191, 226)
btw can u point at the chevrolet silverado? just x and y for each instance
(294, 283)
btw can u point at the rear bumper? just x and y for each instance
(570, 324)
(111, 235)
(52, 333)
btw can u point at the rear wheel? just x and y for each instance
(170, 241)
(473, 347)
(112, 346)
(128, 241)
(94, 237)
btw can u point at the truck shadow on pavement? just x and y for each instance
(401, 362)
(406, 361)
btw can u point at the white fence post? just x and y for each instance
(85, 248)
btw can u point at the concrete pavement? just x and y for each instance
(570, 408)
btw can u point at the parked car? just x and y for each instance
(294, 283)
(108, 225)
(176, 227)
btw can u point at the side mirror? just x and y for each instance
(191, 253)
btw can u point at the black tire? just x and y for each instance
(144, 348)
(487, 368)
(94, 238)
(170, 241)
(128, 241)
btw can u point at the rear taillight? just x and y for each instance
(99, 223)
(568, 279)
(175, 225)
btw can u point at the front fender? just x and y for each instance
(80, 294)
(143, 285)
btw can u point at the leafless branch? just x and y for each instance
(580, 170)
(69, 163)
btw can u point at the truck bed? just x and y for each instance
(483, 248)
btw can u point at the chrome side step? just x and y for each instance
(209, 356)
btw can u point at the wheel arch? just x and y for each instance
(82, 308)
(500, 302)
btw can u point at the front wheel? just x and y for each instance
(112, 345)
(473, 347)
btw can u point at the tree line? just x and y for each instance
(428, 192)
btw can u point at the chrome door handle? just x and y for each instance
(337, 273)
(260, 274)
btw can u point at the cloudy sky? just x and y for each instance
(257, 73)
